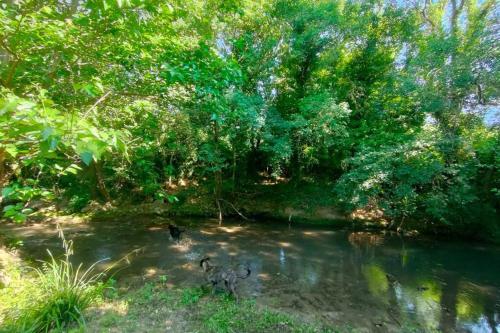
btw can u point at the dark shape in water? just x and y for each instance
(175, 232)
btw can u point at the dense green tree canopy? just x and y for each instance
(106, 99)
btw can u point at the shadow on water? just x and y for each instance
(375, 282)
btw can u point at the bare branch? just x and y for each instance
(101, 99)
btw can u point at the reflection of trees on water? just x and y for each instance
(475, 308)
(365, 239)
(425, 292)
(350, 276)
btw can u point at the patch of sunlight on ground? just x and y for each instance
(230, 229)
(264, 276)
(312, 233)
(119, 307)
(150, 272)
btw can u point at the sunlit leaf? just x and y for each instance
(86, 157)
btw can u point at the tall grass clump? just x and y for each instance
(64, 292)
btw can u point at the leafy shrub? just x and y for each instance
(19, 196)
(78, 202)
(417, 180)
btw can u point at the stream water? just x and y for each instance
(372, 282)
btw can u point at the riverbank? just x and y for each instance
(281, 202)
(309, 204)
(158, 306)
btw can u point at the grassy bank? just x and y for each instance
(51, 296)
(157, 308)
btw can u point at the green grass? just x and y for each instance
(52, 297)
(156, 308)
(191, 296)
(222, 314)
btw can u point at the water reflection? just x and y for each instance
(376, 282)
(282, 257)
(429, 294)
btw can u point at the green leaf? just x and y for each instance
(86, 157)
(95, 132)
(14, 213)
(26, 211)
(172, 198)
(71, 170)
(6, 191)
(105, 5)
(12, 150)
(9, 210)
(47, 132)
(19, 218)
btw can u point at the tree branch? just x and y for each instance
(426, 18)
(102, 98)
(236, 210)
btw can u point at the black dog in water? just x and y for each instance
(175, 232)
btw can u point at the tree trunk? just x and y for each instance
(234, 169)
(218, 172)
(101, 186)
(3, 173)
(170, 170)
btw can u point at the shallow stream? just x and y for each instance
(372, 282)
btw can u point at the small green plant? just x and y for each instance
(67, 291)
(146, 293)
(162, 195)
(64, 291)
(19, 211)
(78, 202)
(12, 243)
(111, 291)
(192, 295)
